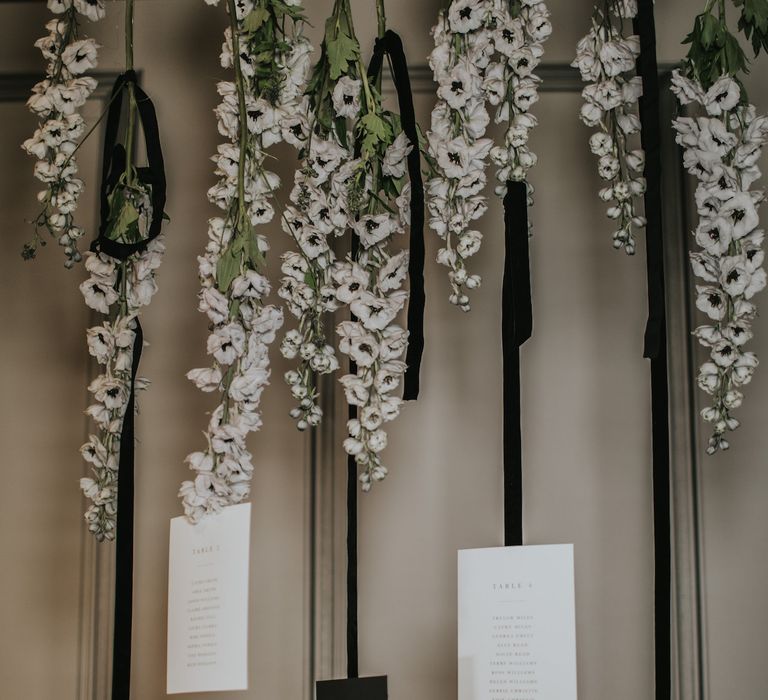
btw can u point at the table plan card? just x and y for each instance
(208, 602)
(517, 623)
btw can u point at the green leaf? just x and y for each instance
(374, 131)
(227, 269)
(281, 9)
(342, 50)
(709, 30)
(123, 221)
(255, 19)
(255, 256)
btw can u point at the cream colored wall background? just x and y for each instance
(586, 416)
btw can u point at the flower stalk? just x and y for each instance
(606, 58)
(56, 102)
(486, 53)
(722, 145)
(119, 290)
(263, 105)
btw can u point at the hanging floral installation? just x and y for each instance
(264, 105)
(486, 52)
(606, 58)
(722, 147)
(56, 101)
(352, 179)
(122, 266)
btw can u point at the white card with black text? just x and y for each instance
(517, 623)
(208, 602)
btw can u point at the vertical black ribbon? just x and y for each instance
(391, 45)
(656, 344)
(121, 650)
(153, 175)
(353, 666)
(516, 329)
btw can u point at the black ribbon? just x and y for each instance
(121, 651)
(516, 329)
(656, 344)
(113, 166)
(391, 45)
(353, 666)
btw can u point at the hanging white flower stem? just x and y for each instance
(485, 53)
(318, 212)
(263, 106)
(369, 280)
(118, 290)
(606, 58)
(56, 101)
(352, 179)
(722, 147)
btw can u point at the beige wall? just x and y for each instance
(586, 417)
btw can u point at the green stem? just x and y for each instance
(243, 138)
(131, 96)
(382, 17)
(123, 289)
(70, 18)
(243, 129)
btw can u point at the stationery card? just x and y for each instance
(517, 624)
(208, 602)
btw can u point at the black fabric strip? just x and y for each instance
(648, 70)
(121, 651)
(113, 165)
(516, 329)
(353, 666)
(391, 45)
(353, 669)
(656, 345)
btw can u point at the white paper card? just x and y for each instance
(208, 602)
(517, 624)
